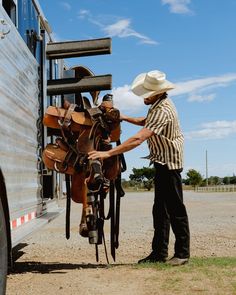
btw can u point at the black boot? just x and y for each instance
(152, 258)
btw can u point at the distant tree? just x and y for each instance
(127, 183)
(143, 176)
(203, 183)
(214, 180)
(194, 177)
(185, 181)
(233, 179)
(226, 180)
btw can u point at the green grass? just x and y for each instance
(197, 262)
(205, 275)
(213, 261)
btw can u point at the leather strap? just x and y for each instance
(67, 119)
(68, 206)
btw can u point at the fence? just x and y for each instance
(217, 188)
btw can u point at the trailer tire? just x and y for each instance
(3, 252)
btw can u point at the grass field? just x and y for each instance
(200, 276)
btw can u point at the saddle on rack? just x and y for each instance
(55, 116)
(80, 131)
(72, 159)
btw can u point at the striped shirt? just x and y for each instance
(166, 145)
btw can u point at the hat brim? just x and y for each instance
(138, 89)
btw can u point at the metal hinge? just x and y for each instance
(4, 28)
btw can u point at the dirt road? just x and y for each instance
(50, 264)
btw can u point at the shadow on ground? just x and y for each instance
(45, 268)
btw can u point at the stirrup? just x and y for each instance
(83, 230)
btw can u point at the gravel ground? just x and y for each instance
(49, 263)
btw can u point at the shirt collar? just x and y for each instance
(156, 103)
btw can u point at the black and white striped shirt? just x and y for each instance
(166, 145)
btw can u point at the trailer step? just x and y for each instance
(28, 228)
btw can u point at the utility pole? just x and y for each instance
(206, 169)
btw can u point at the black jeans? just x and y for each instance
(169, 210)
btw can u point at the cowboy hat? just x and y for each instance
(151, 83)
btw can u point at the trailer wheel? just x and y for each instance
(3, 252)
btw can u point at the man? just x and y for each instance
(165, 141)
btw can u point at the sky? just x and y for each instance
(192, 41)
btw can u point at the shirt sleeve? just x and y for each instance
(156, 121)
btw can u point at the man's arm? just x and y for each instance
(136, 121)
(126, 146)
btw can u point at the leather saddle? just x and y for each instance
(67, 158)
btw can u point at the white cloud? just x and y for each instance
(66, 5)
(125, 100)
(213, 130)
(201, 98)
(121, 28)
(196, 88)
(83, 13)
(178, 6)
(198, 84)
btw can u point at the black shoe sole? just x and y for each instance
(151, 261)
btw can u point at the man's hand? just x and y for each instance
(126, 146)
(93, 155)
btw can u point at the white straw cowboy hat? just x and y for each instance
(150, 84)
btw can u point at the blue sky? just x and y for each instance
(192, 41)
